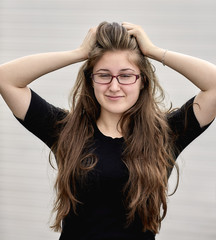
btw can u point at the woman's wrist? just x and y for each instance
(158, 54)
(79, 55)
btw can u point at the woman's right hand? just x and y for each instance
(16, 75)
(88, 42)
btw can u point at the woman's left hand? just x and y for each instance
(145, 44)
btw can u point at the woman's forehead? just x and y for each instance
(117, 60)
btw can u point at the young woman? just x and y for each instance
(117, 146)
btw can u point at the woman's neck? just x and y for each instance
(108, 124)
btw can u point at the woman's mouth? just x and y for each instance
(114, 98)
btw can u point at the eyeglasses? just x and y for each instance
(124, 79)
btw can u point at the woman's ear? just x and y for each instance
(92, 83)
(143, 80)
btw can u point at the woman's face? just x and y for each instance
(113, 97)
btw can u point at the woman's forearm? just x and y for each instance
(200, 72)
(21, 72)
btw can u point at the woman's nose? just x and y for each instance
(114, 85)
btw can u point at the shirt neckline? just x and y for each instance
(105, 137)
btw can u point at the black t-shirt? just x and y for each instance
(102, 215)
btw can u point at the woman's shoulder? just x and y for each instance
(42, 119)
(184, 124)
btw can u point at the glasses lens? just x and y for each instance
(127, 78)
(102, 78)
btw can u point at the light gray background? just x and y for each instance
(26, 179)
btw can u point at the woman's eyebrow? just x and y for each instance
(102, 69)
(126, 69)
(121, 70)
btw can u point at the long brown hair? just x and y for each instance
(148, 152)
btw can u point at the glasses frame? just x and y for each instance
(115, 76)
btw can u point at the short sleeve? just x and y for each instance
(41, 119)
(185, 126)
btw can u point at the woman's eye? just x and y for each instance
(104, 75)
(125, 75)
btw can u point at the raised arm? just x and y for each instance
(201, 73)
(17, 74)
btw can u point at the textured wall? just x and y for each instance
(26, 179)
